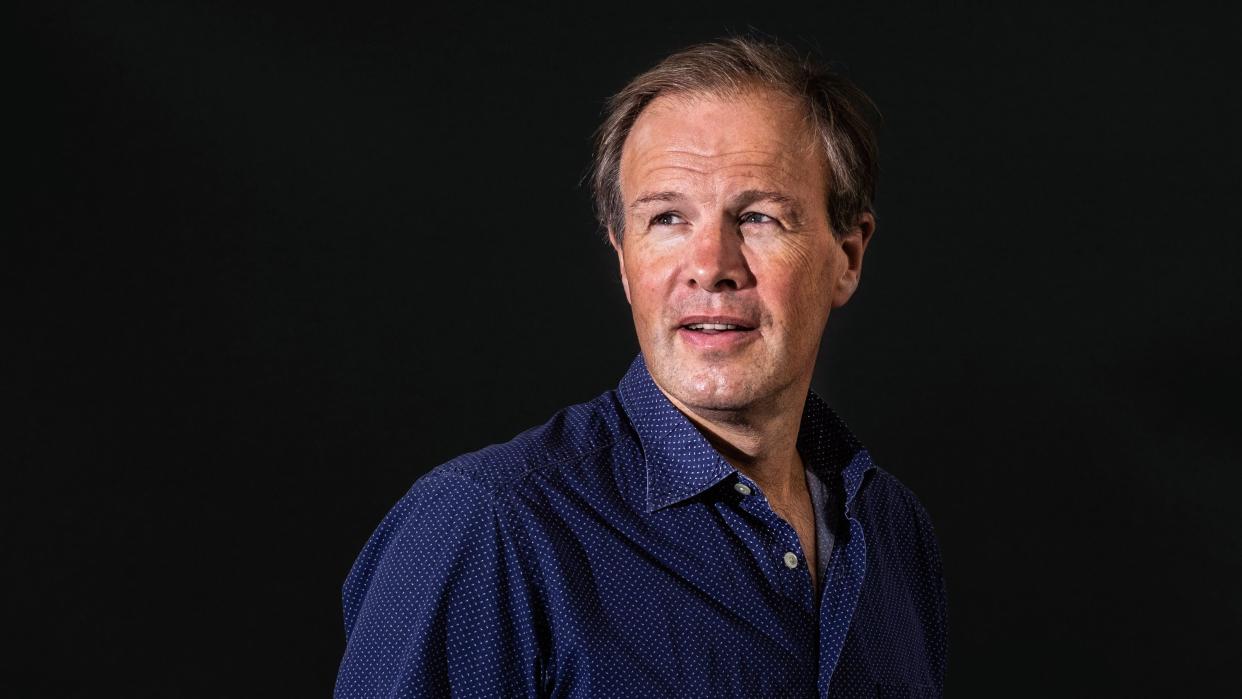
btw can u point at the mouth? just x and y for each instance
(711, 328)
(716, 332)
(716, 324)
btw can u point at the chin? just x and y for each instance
(712, 391)
(725, 383)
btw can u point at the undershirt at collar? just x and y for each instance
(825, 526)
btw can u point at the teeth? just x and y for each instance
(712, 326)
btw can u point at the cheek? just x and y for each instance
(649, 284)
(804, 255)
(802, 307)
(799, 282)
(644, 302)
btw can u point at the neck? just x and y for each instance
(759, 440)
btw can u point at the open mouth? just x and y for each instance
(716, 333)
(715, 328)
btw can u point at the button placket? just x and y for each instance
(783, 543)
(797, 579)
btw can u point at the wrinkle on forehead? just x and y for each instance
(695, 164)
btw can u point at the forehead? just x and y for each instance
(756, 134)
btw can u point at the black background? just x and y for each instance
(274, 262)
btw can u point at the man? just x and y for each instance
(709, 528)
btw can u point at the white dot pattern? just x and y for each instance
(613, 552)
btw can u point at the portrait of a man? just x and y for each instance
(710, 526)
(395, 350)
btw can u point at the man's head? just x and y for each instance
(735, 181)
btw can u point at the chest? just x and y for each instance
(697, 600)
(658, 635)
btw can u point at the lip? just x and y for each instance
(721, 340)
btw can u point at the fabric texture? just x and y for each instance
(610, 552)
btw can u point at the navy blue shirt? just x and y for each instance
(613, 552)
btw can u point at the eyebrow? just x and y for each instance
(654, 196)
(790, 205)
(744, 199)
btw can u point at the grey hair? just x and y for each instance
(844, 118)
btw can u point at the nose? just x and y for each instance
(717, 259)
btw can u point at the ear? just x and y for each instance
(616, 246)
(853, 244)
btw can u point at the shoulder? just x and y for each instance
(899, 531)
(463, 494)
(572, 434)
(448, 577)
(456, 511)
(885, 497)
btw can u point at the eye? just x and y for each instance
(668, 218)
(755, 217)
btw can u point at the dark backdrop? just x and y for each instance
(272, 263)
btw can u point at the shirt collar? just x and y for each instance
(680, 463)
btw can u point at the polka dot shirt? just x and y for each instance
(613, 552)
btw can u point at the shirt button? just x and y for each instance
(742, 488)
(791, 559)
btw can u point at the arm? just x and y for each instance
(437, 603)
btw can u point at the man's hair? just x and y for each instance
(844, 118)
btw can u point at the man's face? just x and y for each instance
(726, 226)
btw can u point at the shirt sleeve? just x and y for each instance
(437, 604)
